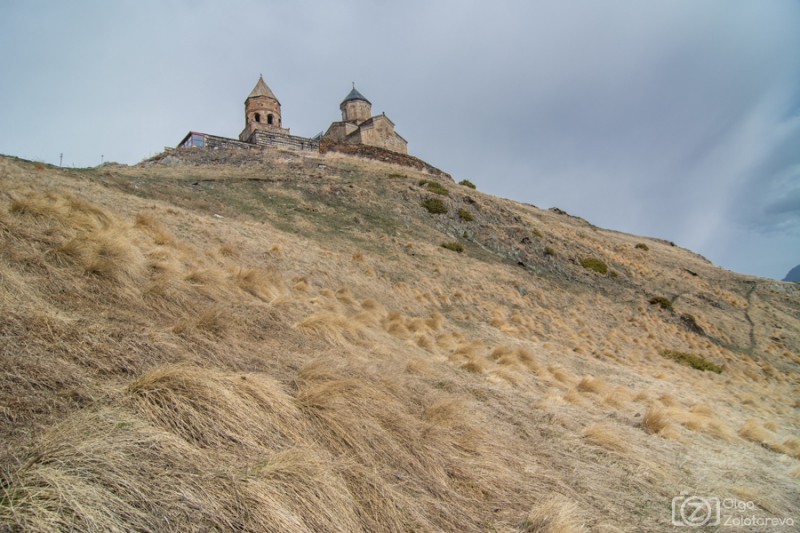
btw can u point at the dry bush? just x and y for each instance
(561, 374)
(606, 435)
(668, 400)
(107, 471)
(792, 444)
(424, 341)
(573, 396)
(556, 515)
(371, 304)
(212, 409)
(333, 327)
(229, 250)
(592, 384)
(702, 409)
(655, 419)
(260, 283)
(419, 366)
(108, 253)
(618, 397)
(476, 365)
(509, 374)
(358, 257)
(435, 321)
(754, 430)
(446, 341)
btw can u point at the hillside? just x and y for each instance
(793, 275)
(264, 341)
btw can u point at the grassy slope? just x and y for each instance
(311, 359)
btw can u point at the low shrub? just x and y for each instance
(692, 360)
(434, 205)
(613, 274)
(465, 215)
(642, 246)
(397, 176)
(691, 324)
(467, 183)
(594, 264)
(455, 246)
(434, 186)
(549, 251)
(538, 233)
(664, 302)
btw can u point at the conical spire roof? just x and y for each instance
(261, 89)
(355, 95)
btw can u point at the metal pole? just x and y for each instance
(60, 159)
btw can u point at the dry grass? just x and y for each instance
(556, 515)
(158, 374)
(753, 429)
(606, 435)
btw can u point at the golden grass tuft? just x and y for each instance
(333, 327)
(108, 253)
(556, 515)
(561, 374)
(655, 420)
(213, 409)
(475, 365)
(592, 384)
(419, 366)
(264, 285)
(358, 257)
(605, 435)
(754, 430)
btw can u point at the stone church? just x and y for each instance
(263, 126)
(358, 127)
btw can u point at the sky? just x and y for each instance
(676, 119)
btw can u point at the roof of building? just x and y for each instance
(355, 95)
(261, 89)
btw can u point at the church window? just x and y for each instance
(258, 117)
(269, 119)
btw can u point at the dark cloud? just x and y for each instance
(674, 118)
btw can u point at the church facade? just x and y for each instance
(359, 127)
(264, 126)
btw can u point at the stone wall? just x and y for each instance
(212, 141)
(285, 142)
(381, 154)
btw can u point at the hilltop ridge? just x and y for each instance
(260, 340)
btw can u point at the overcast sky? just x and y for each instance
(673, 119)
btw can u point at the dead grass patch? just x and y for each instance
(333, 327)
(753, 429)
(605, 435)
(556, 515)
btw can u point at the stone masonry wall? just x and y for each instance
(286, 142)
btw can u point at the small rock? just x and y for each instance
(218, 216)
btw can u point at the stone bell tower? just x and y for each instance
(262, 111)
(355, 108)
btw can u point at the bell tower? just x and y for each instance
(355, 108)
(262, 111)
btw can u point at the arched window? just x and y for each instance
(258, 117)
(269, 119)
